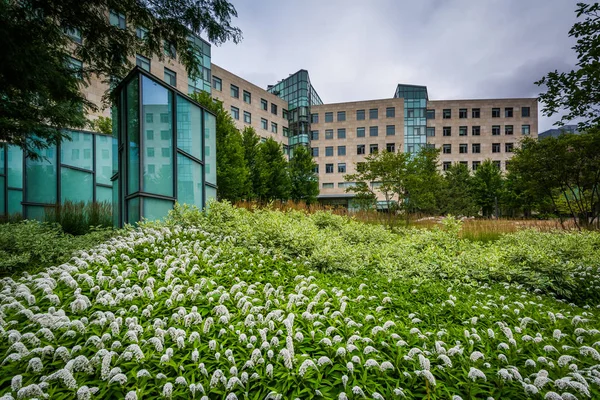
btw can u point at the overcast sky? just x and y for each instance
(360, 50)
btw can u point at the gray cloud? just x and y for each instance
(357, 50)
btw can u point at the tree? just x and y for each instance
(40, 84)
(276, 175)
(305, 182)
(423, 181)
(578, 91)
(457, 193)
(256, 166)
(487, 187)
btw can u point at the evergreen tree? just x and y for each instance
(487, 187)
(276, 175)
(457, 197)
(305, 182)
(255, 163)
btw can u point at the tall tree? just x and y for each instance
(255, 163)
(423, 181)
(276, 175)
(487, 187)
(578, 91)
(39, 84)
(457, 196)
(305, 182)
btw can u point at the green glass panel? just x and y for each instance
(158, 170)
(133, 210)
(77, 152)
(76, 185)
(2, 155)
(115, 202)
(210, 146)
(42, 177)
(189, 181)
(2, 192)
(15, 197)
(15, 167)
(104, 194)
(133, 136)
(104, 158)
(189, 127)
(155, 209)
(211, 193)
(35, 212)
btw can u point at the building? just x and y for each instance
(556, 132)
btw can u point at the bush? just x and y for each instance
(77, 218)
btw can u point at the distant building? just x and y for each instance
(556, 132)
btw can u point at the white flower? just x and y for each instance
(305, 366)
(167, 390)
(16, 383)
(323, 360)
(356, 390)
(475, 374)
(427, 375)
(131, 395)
(424, 362)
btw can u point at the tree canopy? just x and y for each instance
(304, 180)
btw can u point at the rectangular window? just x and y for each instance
(235, 91)
(314, 151)
(316, 169)
(328, 185)
(142, 62)
(475, 113)
(525, 112)
(164, 118)
(235, 112)
(374, 113)
(341, 168)
(76, 67)
(373, 131)
(328, 170)
(341, 151)
(170, 77)
(496, 130)
(117, 19)
(447, 113)
(462, 113)
(497, 164)
(141, 33)
(149, 133)
(150, 152)
(495, 113)
(314, 135)
(328, 134)
(247, 117)
(273, 127)
(360, 149)
(314, 118)
(329, 151)
(373, 148)
(360, 132)
(74, 34)
(264, 104)
(165, 152)
(390, 147)
(274, 109)
(285, 113)
(508, 147)
(286, 133)
(476, 165)
(446, 165)
(495, 147)
(165, 135)
(341, 133)
(447, 149)
(247, 97)
(476, 148)
(329, 117)
(446, 131)
(390, 130)
(431, 131)
(217, 84)
(390, 112)
(508, 112)
(430, 114)
(341, 116)
(508, 130)
(462, 131)
(360, 115)
(463, 148)
(476, 130)
(264, 124)
(525, 129)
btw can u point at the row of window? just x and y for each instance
(247, 97)
(463, 148)
(331, 185)
(476, 130)
(170, 76)
(361, 149)
(390, 130)
(390, 112)
(474, 164)
(264, 123)
(476, 112)
(119, 20)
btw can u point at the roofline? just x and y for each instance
(359, 101)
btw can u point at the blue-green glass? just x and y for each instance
(189, 127)
(210, 146)
(2, 158)
(15, 197)
(158, 170)
(15, 167)
(116, 204)
(77, 152)
(155, 209)
(76, 185)
(42, 177)
(2, 198)
(211, 193)
(35, 212)
(189, 181)
(104, 194)
(133, 210)
(133, 135)
(104, 158)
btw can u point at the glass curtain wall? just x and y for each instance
(202, 82)
(415, 122)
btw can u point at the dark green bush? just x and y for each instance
(77, 218)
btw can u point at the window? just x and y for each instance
(390, 130)
(329, 117)
(374, 113)
(495, 147)
(217, 84)
(286, 132)
(274, 109)
(476, 148)
(447, 149)
(74, 34)
(149, 133)
(264, 124)
(446, 165)
(462, 131)
(495, 113)
(430, 131)
(235, 112)
(164, 118)
(141, 32)
(447, 113)
(525, 129)
(314, 118)
(360, 149)
(373, 131)
(247, 117)
(235, 91)
(169, 49)
(496, 130)
(463, 148)
(390, 147)
(328, 185)
(430, 114)
(273, 127)
(170, 77)
(508, 112)
(285, 113)
(76, 67)
(508, 130)
(329, 151)
(476, 165)
(341, 116)
(142, 62)
(341, 151)
(360, 115)
(341, 133)
(264, 104)
(508, 147)
(525, 112)
(117, 19)
(373, 148)
(247, 97)
(149, 151)
(475, 113)
(462, 113)
(497, 164)
(341, 168)
(390, 112)
(447, 131)
(328, 134)
(165, 152)
(314, 151)
(316, 169)
(314, 135)
(476, 130)
(328, 170)
(360, 132)
(165, 135)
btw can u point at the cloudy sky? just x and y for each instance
(360, 50)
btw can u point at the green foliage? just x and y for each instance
(487, 187)
(78, 218)
(305, 182)
(103, 125)
(276, 176)
(457, 193)
(255, 163)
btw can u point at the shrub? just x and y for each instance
(77, 218)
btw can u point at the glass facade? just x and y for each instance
(202, 81)
(415, 116)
